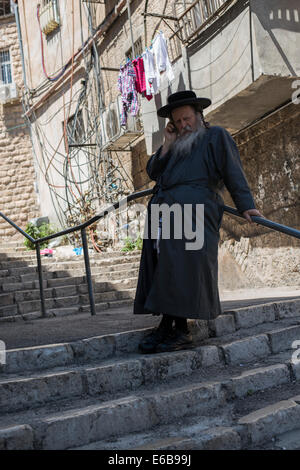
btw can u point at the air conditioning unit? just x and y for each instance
(8, 93)
(115, 136)
(49, 17)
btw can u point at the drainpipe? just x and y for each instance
(186, 62)
(15, 7)
(130, 24)
(251, 41)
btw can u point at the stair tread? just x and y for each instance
(72, 409)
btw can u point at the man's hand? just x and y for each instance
(250, 212)
(170, 135)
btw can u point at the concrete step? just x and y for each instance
(14, 316)
(31, 281)
(26, 274)
(238, 387)
(75, 421)
(12, 254)
(57, 264)
(8, 311)
(264, 423)
(289, 440)
(63, 290)
(81, 422)
(243, 345)
(108, 296)
(28, 301)
(273, 427)
(30, 389)
(193, 433)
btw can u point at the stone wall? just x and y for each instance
(17, 175)
(270, 151)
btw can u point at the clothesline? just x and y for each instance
(142, 75)
(128, 59)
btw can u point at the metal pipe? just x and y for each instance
(130, 24)
(166, 17)
(88, 271)
(266, 222)
(94, 219)
(39, 264)
(17, 16)
(146, 192)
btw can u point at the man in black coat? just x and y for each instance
(178, 275)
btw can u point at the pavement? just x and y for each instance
(45, 331)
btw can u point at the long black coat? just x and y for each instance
(182, 282)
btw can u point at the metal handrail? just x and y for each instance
(37, 242)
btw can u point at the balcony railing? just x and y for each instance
(199, 15)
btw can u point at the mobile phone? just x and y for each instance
(174, 127)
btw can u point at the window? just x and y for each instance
(49, 16)
(5, 67)
(138, 49)
(75, 129)
(5, 7)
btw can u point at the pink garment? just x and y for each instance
(140, 83)
(47, 252)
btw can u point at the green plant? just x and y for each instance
(130, 244)
(139, 243)
(38, 232)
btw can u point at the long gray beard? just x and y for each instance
(183, 145)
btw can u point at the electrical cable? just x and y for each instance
(73, 177)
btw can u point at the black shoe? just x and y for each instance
(158, 335)
(175, 342)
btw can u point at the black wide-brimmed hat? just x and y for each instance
(182, 98)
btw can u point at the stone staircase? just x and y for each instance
(65, 289)
(237, 388)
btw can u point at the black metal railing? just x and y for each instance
(37, 242)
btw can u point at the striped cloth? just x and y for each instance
(127, 88)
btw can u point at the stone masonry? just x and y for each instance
(18, 197)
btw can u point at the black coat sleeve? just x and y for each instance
(229, 166)
(156, 164)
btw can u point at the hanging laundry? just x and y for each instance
(140, 83)
(162, 61)
(127, 88)
(150, 73)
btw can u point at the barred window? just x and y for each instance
(75, 128)
(53, 3)
(5, 67)
(5, 7)
(138, 49)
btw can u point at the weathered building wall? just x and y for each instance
(117, 41)
(269, 149)
(18, 197)
(270, 152)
